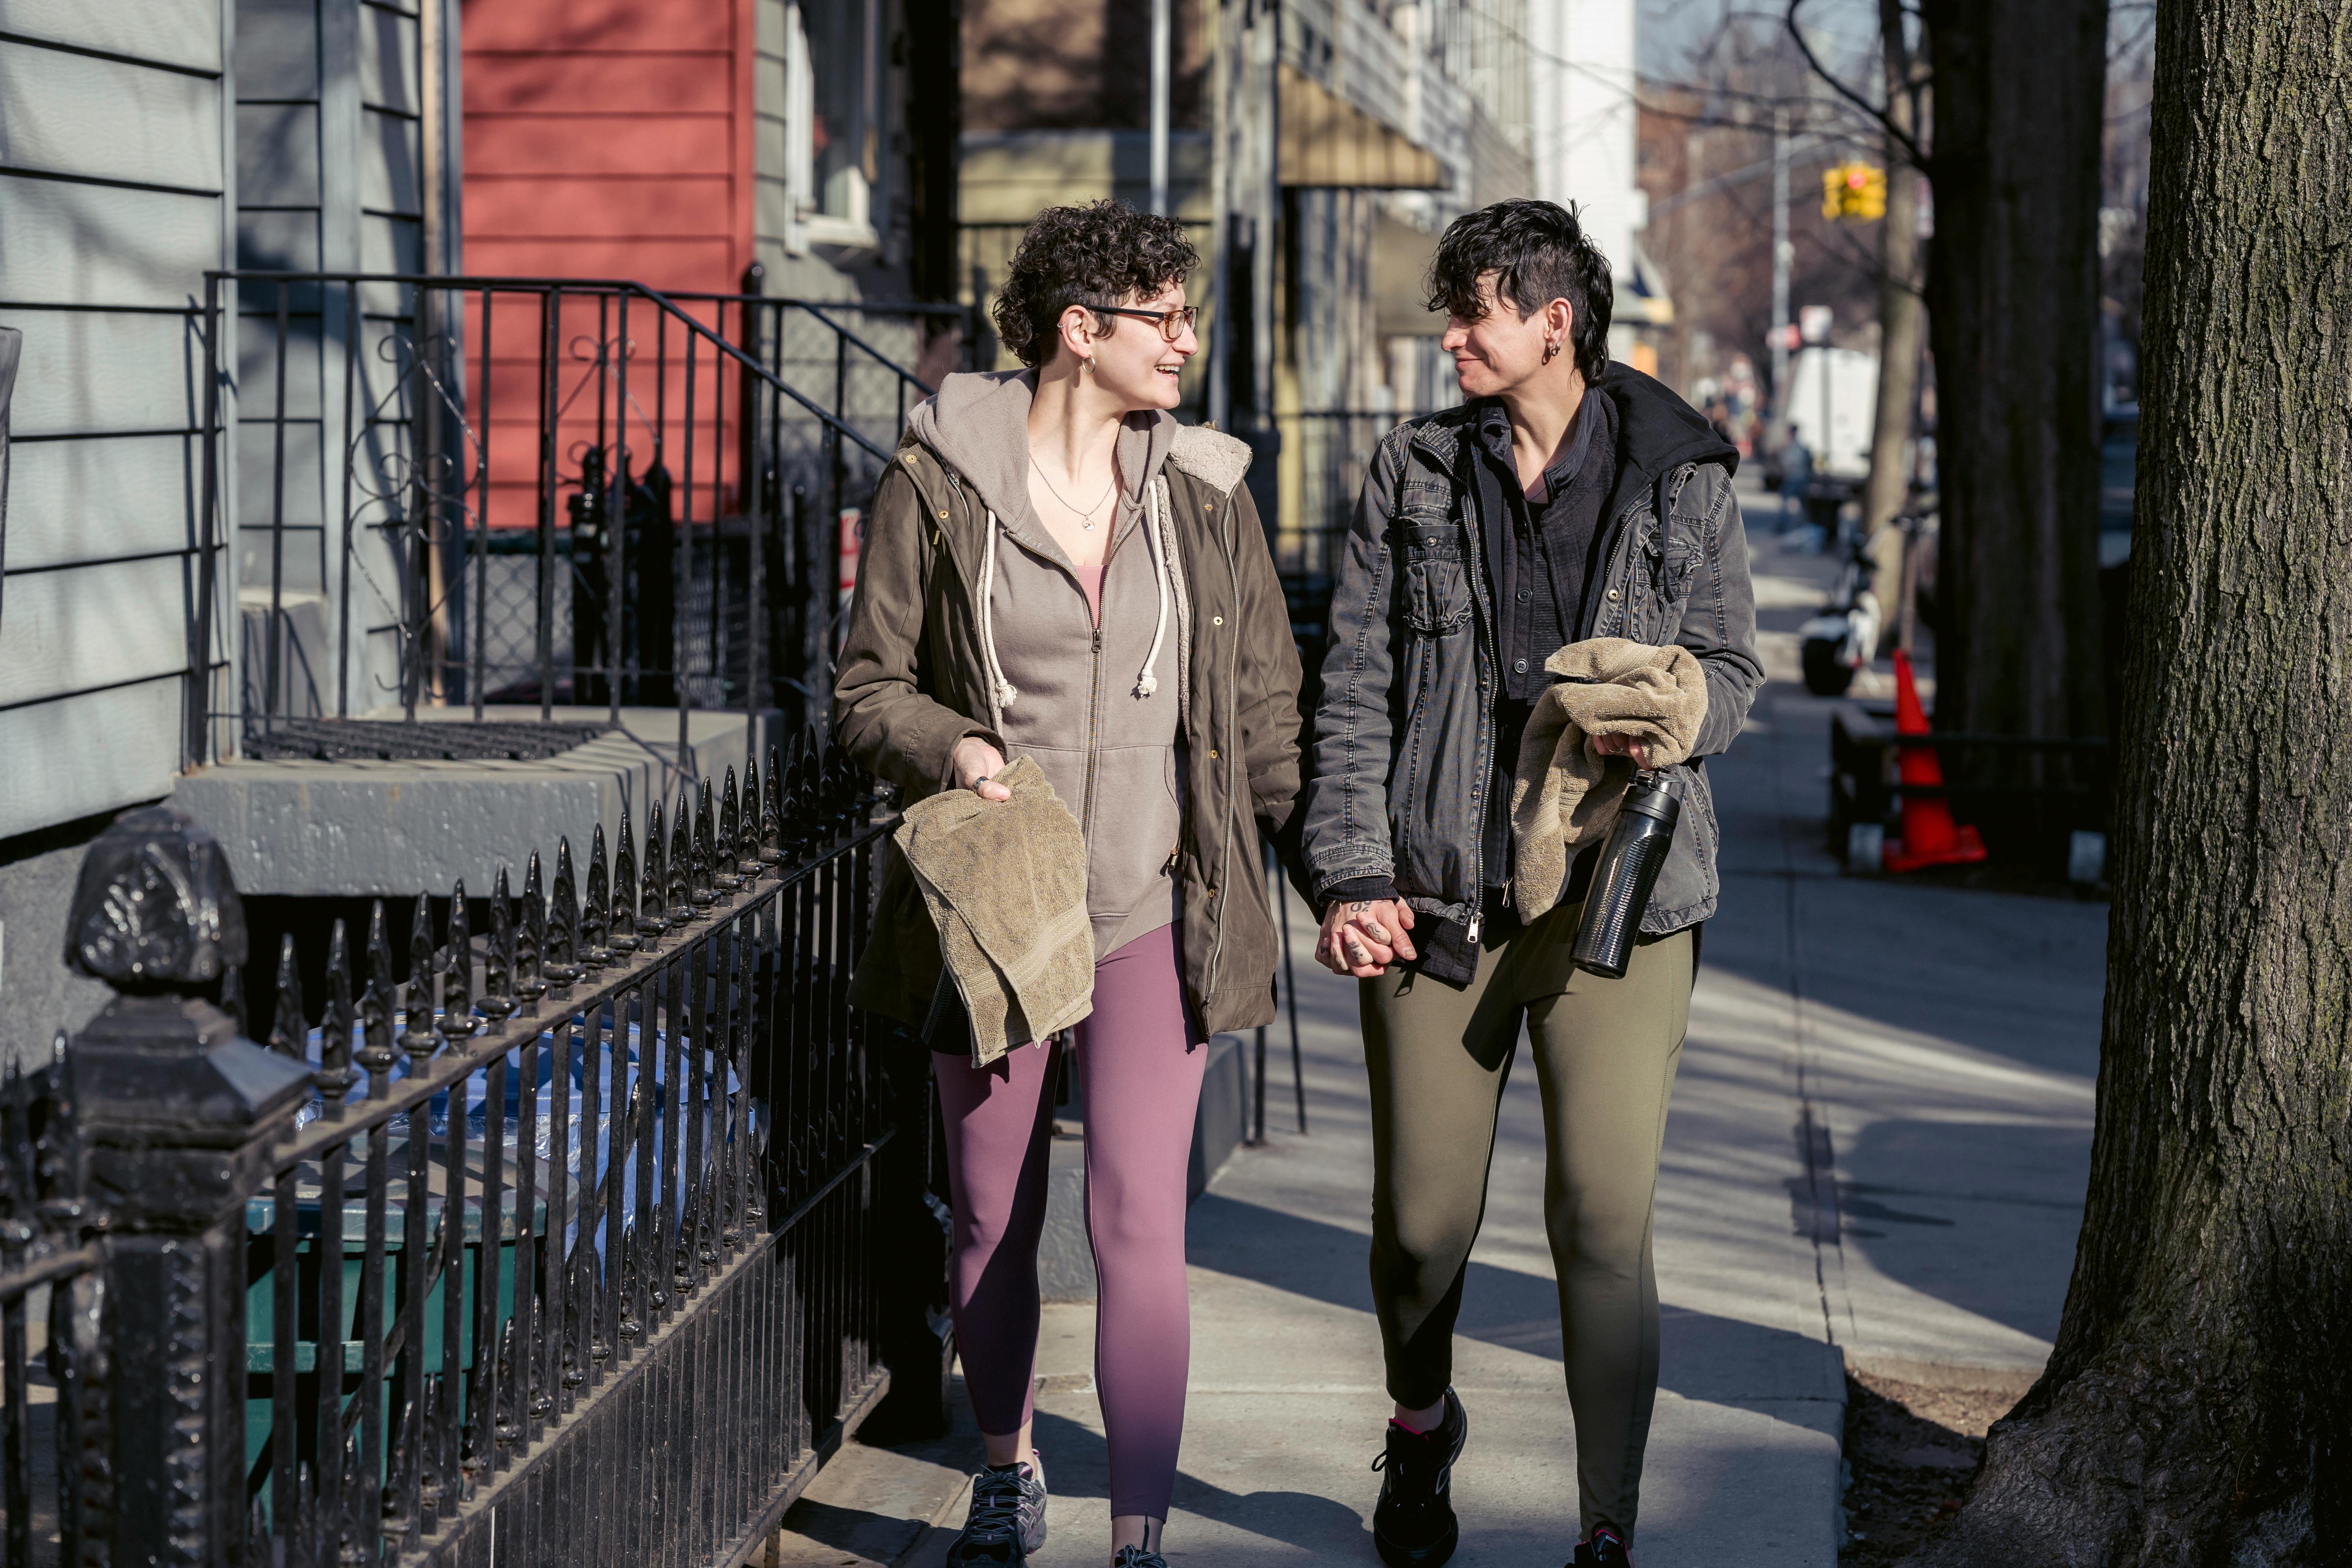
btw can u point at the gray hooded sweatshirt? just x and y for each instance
(1098, 709)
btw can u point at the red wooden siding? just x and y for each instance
(606, 139)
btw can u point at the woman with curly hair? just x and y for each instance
(1056, 569)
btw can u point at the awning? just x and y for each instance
(1326, 141)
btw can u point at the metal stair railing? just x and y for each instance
(628, 502)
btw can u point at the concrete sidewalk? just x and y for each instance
(1877, 1152)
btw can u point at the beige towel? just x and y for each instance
(1565, 794)
(1005, 882)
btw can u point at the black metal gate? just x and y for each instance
(575, 1227)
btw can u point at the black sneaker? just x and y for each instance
(1136, 1557)
(1007, 1520)
(1605, 1549)
(1413, 1525)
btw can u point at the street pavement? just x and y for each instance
(1875, 1157)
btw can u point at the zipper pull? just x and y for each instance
(1474, 921)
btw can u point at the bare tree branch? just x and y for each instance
(1911, 148)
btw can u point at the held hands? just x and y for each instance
(1623, 746)
(977, 763)
(1363, 937)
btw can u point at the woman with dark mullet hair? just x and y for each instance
(1056, 569)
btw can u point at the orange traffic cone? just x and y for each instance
(1929, 836)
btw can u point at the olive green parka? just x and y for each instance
(911, 678)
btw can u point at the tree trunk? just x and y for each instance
(1902, 320)
(2013, 292)
(2198, 1409)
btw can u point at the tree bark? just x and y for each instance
(1901, 321)
(2013, 298)
(2198, 1409)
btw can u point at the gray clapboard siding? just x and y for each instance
(94, 370)
(64, 114)
(390, 163)
(279, 242)
(174, 31)
(389, 49)
(94, 625)
(77, 500)
(276, 49)
(390, 245)
(255, 465)
(276, 154)
(101, 244)
(63, 760)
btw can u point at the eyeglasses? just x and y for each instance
(1173, 324)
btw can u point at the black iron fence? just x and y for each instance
(576, 1228)
(497, 491)
(1326, 454)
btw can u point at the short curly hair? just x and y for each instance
(1105, 252)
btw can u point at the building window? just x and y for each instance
(836, 142)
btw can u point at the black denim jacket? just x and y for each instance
(1404, 732)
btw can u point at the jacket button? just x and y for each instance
(1216, 620)
(1208, 506)
(1613, 593)
(1518, 667)
(943, 514)
(1212, 753)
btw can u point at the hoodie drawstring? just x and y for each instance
(1001, 690)
(1155, 517)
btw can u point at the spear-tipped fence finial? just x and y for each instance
(725, 876)
(653, 912)
(681, 860)
(335, 1077)
(498, 1002)
(458, 1020)
(748, 863)
(597, 908)
(624, 938)
(771, 811)
(288, 1033)
(530, 943)
(700, 889)
(564, 920)
(422, 1037)
(379, 1000)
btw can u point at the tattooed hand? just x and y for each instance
(1363, 937)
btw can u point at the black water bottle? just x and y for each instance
(1620, 894)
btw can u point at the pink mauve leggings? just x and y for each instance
(1140, 1084)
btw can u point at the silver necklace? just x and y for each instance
(1084, 516)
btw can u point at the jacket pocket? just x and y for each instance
(1436, 587)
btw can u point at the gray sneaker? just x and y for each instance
(1007, 1521)
(1136, 1557)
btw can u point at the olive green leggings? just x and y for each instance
(1605, 1052)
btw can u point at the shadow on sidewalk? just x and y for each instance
(1702, 1356)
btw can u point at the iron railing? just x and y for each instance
(1326, 453)
(54, 1431)
(543, 492)
(584, 1239)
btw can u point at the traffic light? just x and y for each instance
(1853, 191)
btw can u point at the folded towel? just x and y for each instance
(1565, 794)
(1005, 883)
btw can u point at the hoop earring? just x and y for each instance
(1550, 350)
(1088, 364)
